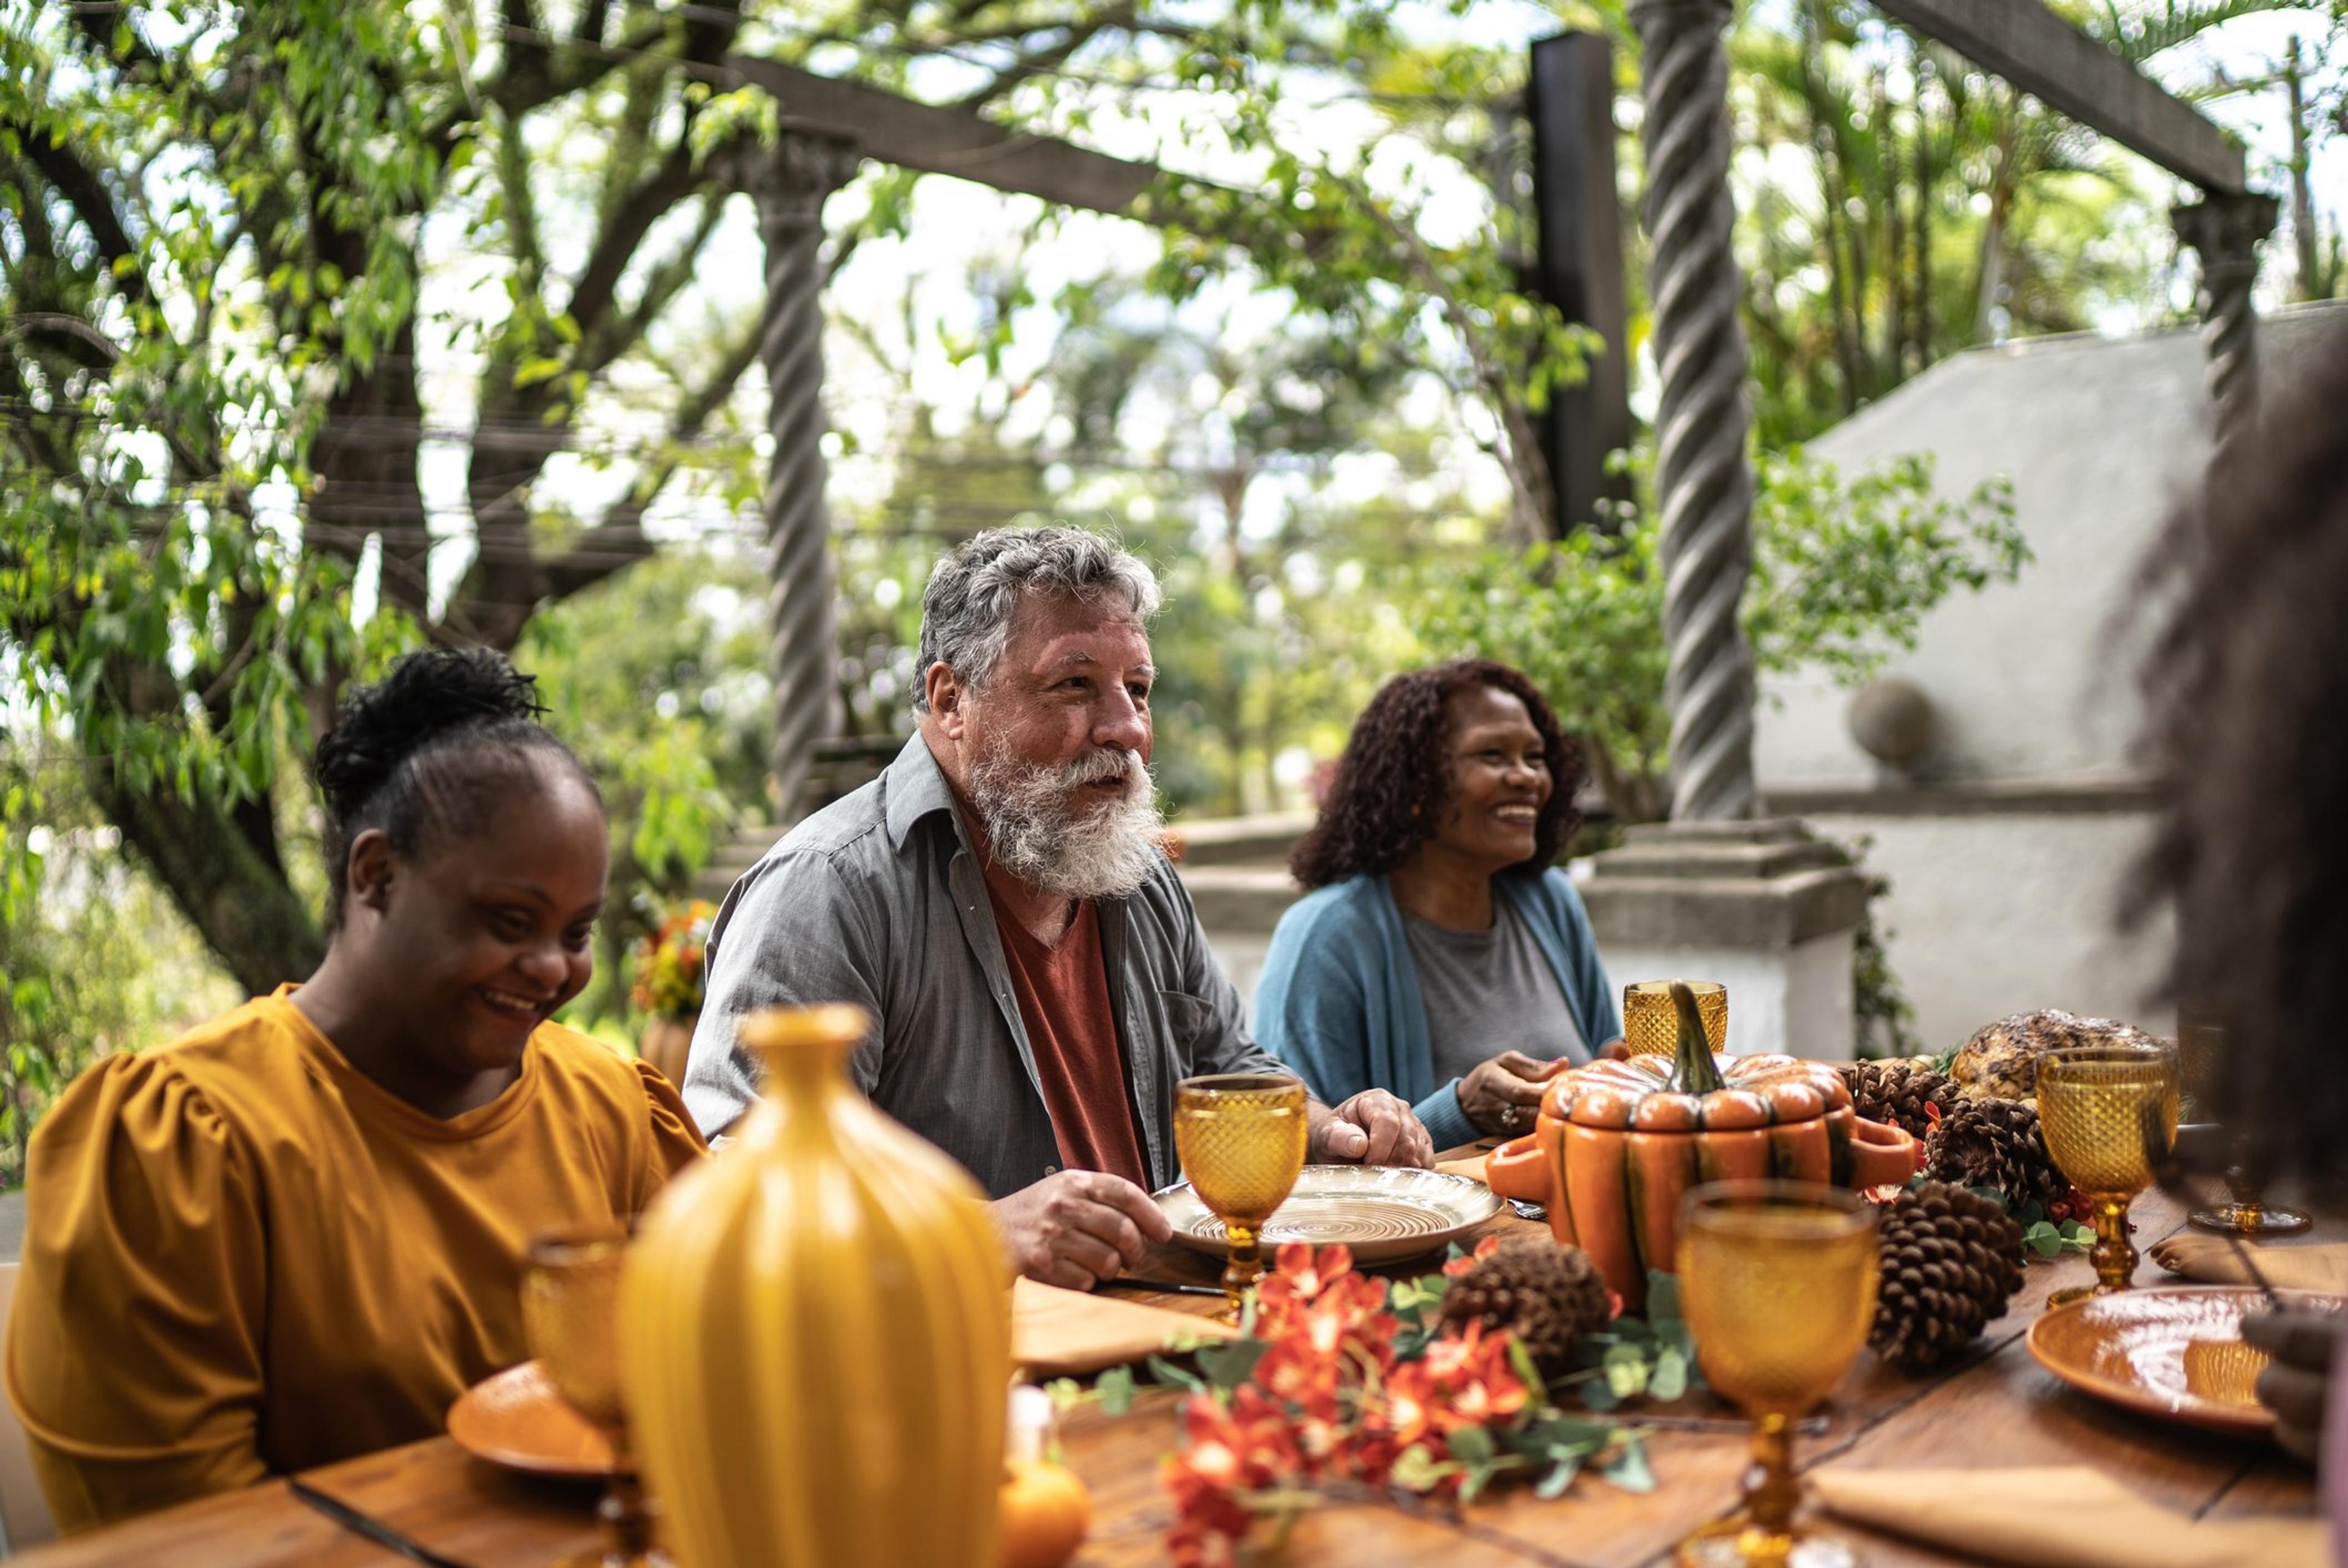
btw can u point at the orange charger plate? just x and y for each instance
(2171, 1351)
(518, 1420)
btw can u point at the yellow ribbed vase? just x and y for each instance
(816, 1333)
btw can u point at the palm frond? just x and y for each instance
(2178, 22)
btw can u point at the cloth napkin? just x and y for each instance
(1471, 1169)
(2322, 1268)
(2059, 1517)
(1058, 1332)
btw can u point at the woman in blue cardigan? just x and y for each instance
(1440, 955)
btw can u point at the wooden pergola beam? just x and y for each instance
(913, 134)
(2041, 53)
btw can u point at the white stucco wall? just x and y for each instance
(1997, 913)
(2027, 679)
(2095, 436)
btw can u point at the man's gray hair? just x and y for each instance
(973, 593)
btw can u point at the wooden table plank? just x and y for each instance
(1877, 1412)
(441, 1497)
(1994, 1408)
(264, 1526)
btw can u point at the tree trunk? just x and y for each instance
(1841, 306)
(1993, 250)
(1922, 229)
(364, 458)
(2310, 283)
(1895, 240)
(1634, 798)
(231, 887)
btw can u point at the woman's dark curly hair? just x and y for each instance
(1394, 783)
(2248, 691)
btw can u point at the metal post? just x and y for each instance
(1703, 484)
(1569, 98)
(2224, 231)
(788, 182)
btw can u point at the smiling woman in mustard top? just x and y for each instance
(296, 1233)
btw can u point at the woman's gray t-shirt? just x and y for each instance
(1488, 991)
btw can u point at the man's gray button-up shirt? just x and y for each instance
(878, 899)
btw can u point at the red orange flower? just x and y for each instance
(1331, 1397)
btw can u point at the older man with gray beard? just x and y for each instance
(999, 901)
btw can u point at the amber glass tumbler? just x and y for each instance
(1651, 1021)
(570, 1318)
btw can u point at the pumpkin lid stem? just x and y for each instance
(1694, 1070)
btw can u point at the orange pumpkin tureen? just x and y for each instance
(1617, 1144)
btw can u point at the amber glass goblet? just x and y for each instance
(2202, 1055)
(1778, 1280)
(1241, 1138)
(2097, 1106)
(1651, 1020)
(570, 1318)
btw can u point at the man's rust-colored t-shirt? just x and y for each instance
(1062, 995)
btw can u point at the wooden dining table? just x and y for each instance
(1992, 1407)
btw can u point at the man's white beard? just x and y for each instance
(1040, 831)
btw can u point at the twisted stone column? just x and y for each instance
(788, 182)
(1703, 485)
(2224, 231)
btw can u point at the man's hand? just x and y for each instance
(1373, 1128)
(1079, 1227)
(2294, 1383)
(1500, 1095)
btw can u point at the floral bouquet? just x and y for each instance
(668, 973)
(1342, 1385)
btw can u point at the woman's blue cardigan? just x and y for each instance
(1339, 999)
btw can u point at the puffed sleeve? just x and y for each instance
(134, 1354)
(675, 1142)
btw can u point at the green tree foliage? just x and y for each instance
(1914, 205)
(92, 960)
(217, 234)
(657, 679)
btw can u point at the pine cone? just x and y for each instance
(1548, 1295)
(1897, 1092)
(1951, 1259)
(1994, 1143)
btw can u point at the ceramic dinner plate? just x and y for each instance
(1384, 1213)
(518, 1420)
(2175, 1352)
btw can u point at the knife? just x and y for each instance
(358, 1523)
(1176, 1286)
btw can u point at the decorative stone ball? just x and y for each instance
(1891, 719)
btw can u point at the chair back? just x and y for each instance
(25, 1520)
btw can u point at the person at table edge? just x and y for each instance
(296, 1233)
(1441, 953)
(2245, 683)
(1000, 900)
